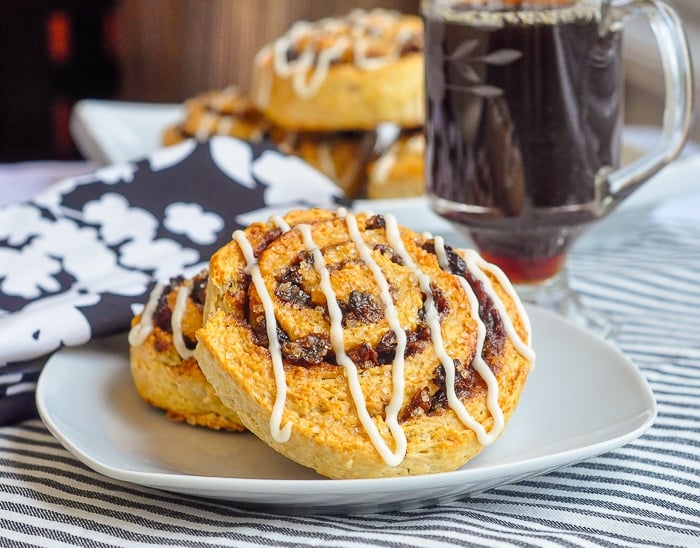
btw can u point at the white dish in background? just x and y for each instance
(112, 132)
(584, 398)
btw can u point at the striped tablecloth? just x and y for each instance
(646, 493)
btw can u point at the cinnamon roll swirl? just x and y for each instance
(361, 349)
(163, 369)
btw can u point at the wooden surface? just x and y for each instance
(173, 49)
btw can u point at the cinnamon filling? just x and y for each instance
(495, 331)
(163, 313)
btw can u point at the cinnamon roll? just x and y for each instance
(340, 155)
(361, 349)
(346, 73)
(163, 369)
(218, 112)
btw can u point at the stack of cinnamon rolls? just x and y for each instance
(345, 94)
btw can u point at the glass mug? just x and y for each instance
(524, 117)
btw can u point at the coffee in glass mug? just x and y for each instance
(524, 117)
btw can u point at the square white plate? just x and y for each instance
(583, 398)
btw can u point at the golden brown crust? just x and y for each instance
(327, 431)
(348, 73)
(166, 380)
(399, 170)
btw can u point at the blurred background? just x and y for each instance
(56, 52)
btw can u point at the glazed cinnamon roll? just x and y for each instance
(218, 112)
(163, 369)
(340, 155)
(361, 349)
(346, 73)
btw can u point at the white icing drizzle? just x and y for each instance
(278, 433)
(183, 292)
(478, 363)
(306, 88)
(386, 162)
(283, 67)
(397, 368)
(338, 345)
(364, 62)
(140, 332)
(384, 165)
(279, 222)
(477, 265)
(221, 99)
(403, 36)
(361, 26)
(431, 315)
(220, 113)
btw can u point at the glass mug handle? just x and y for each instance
(613, 186)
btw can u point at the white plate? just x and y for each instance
(583, 399)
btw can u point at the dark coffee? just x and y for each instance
(524, 109)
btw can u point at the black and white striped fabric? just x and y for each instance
(646, 493)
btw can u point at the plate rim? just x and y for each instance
(211, 486)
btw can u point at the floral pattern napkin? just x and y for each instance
(78, 260)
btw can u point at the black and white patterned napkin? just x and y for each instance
(77, 259)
